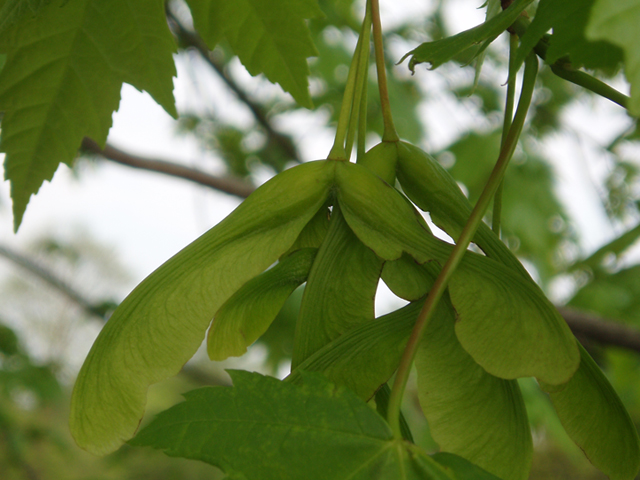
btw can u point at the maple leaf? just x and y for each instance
(62, 79)
(268, 36)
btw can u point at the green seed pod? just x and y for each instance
(251, 310)
(432, 188)
(382, 160)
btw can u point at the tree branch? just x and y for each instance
(598, 329)
(227, 185)
(53, 280)
(191, 39)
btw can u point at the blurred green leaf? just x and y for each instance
(612, 295)
(568, 19)
(8, 341)
(441, 51)
(614, 248)
(330, 69)
(13, 10)
(532, 216)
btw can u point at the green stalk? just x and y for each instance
(563, 69)
(389, 134)
(362, 78)
(338, 151)
(439, 286)
(506, 125)
(362, 119)
(585, 80)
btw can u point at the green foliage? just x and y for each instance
(612, 294)
(171, 310)
(594, 417)
(269, 37)
(21, 374)
(313, 431)
(441, 51)
(533, 218)
(568, 20)
(476, 322)
(616, 22)
(62, 81)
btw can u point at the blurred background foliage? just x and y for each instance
(59, 291)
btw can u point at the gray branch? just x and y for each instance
(598, 329)
(53, 280)
(228, 185)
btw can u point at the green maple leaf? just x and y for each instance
(617, 22)
(11, 11)
(265, 429)
(268, 36)
(62, 80)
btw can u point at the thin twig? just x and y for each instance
(228, 185)
(600, 330)
(53, 280)
(193, 40)
(196, 374)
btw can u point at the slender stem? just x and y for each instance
(440, 284)
(362, 78)
(362, 119)
(506, 125)
(232, 186)
(563, 68)
(338, 151)
(389, 134)
(585, 80)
